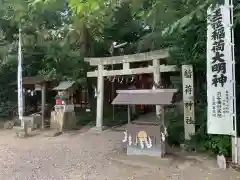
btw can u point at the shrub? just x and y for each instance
(201, 141)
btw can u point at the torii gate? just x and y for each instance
(156, 69)
(154, 56)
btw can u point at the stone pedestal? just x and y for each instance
(96, 129)
(63, 118)
(23, 131)
(33, 121)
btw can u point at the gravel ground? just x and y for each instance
(88, 156)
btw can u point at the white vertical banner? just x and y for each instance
(188, 101)
(19, 78)
(219, 71)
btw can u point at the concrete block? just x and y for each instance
(34, 121)
(8, 125)
(155, 151)
(61, 120)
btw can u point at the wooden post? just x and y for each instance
(43, 102)
(100, 97)
(23, 101)
(71, 96)
(188, 100)
(157, 80)
(126, 66)
(129, 114)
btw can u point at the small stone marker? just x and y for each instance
(25, 127)
(221, 161)
(8, 125)
(22, 132)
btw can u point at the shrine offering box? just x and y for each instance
(145, 138)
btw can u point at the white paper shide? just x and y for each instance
(219, 71)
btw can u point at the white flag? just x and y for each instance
(220, 71)
(19, 77)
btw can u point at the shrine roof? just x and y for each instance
(64, 85)
(31, 80)
(145, 97)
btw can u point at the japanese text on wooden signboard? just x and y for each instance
(188, 100)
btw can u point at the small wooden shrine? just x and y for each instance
(145, 136)
(35, 110)
(63, 117)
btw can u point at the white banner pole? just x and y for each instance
(229, 3)
(19, 78)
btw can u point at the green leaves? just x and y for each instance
(85, 7)
(198, 11)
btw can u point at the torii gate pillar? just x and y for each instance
(157, 80)
(100, 98)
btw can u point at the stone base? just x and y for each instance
(155, 152)
(21, 132)
(61, 120)
(18, 128)
(8, 125)
(21, 135)
(34, 121)
(52, 134)
(97, 129)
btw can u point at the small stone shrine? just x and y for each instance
(146, 136)
(63, 117)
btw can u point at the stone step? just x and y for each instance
(18, 128)
(21, 129)
(8, 125)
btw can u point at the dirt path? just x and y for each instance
(88, 156)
